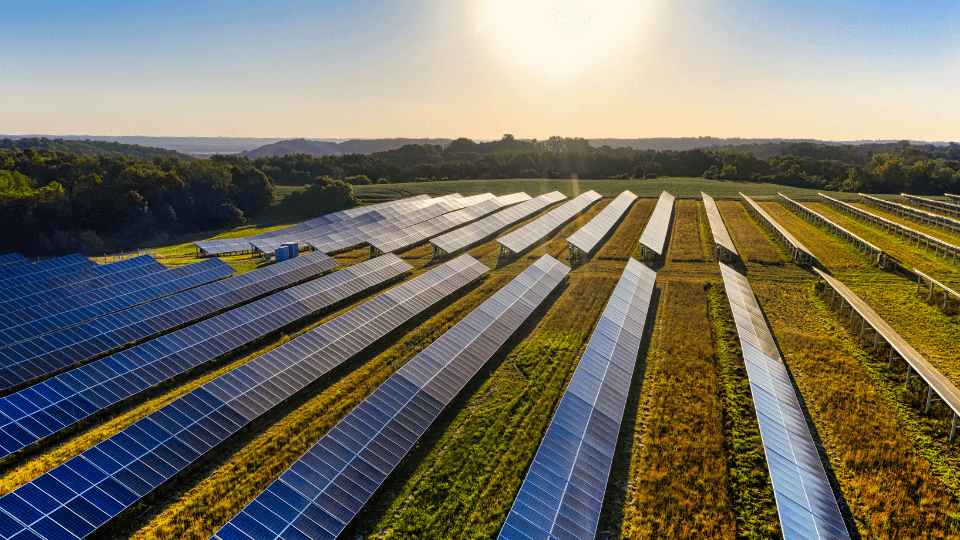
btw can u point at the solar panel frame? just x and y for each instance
(12, 259)
(923, 202)
(805, 500)
(577, 450)
(588, 237)
(654, 238)
(921, 216)
(459, 239)
(407, 404)
(801, 255)
(525, 237)
(159, 447)
(16, 276)
(90, 388)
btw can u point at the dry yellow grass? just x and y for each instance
(623, 241)
(751, 243)
(685, 244)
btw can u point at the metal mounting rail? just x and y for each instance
(922, 202)
(801, 255)
(933, 284)
(880, 257)
(920, 216)
(904, 232)
(936, 381)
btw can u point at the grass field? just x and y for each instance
(689, 462)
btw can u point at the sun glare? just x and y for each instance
(562, 38)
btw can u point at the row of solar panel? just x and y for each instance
(654, 237)
(61, 314)
(325, 489)
(721, 237)
(12, 259)
(397, 216)
(78, 272)
(880, 256)
(415, 234)
(921, 216)
(14, 277)
(243, 243)
(30, 359)
(563, 491)
(75, 498)
(800, 253)
(35, 412)
(463, 237)
(587, 238)
(805, 501)
(521, 239)
(136, 267)
(941, 206)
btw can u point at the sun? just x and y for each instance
(562, 38)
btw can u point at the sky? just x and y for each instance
(820, 69)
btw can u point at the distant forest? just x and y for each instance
(92, 200)
(90, 148)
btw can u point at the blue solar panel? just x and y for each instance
(47, 407)
(83, 493)
(35, 294)
(805, 500)
(325, 489)
(34, 358)
(12, 259)
(25, 273)
(562, 495)
(36, 321)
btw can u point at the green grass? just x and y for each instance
(684, 188)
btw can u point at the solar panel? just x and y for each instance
(49, 406)
(229, 245)
(525, 237)
(562, 494)
(654, 238)
(589, 236)
(464, 237)
(805, 500)
(46, 354)
(721, 237)
(13, 276)
(904, 232)
(326, 488)
(920, 216)
(36, 321)
(103, 481)
(65, 275)
(411, 236)
(799, 252)
(923, 202)
(12, 259)
(952, 197)
(35, 294)
(879, 256)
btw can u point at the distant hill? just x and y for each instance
(689, 143)
(93, 148)
(326, 148)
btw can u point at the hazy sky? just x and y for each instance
(823, 69)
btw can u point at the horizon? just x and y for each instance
(845, 72)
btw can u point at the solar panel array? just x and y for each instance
(13, 277)
(100, 483)
(531, 233)
(721, 237)
(654, 237)
(35, 294)
(805, 501)
(799, 252)
(920, 216)
(590, 235)
(901, 231)
(463, 237)
(12, 259)
(876, 254)
(229, 245)
(388, 218)
(410, 236)
(47, 407)
(39, 320)
(945, 207)
(946, 291)
(562, 494)
(326, 488)
(46, 354)
(952, 197)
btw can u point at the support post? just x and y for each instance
(929, 397)
(953, 428)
